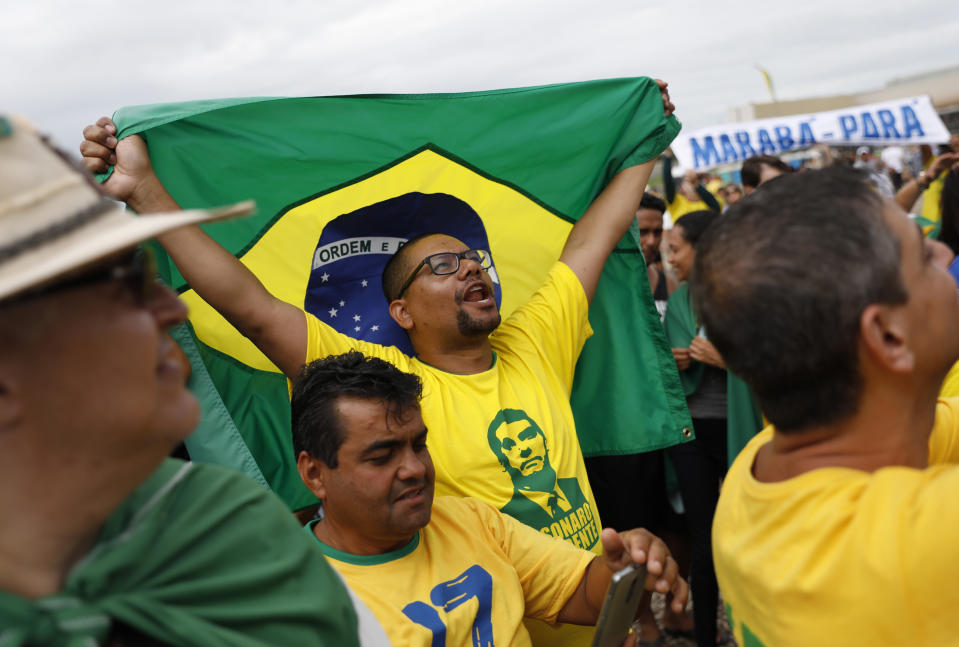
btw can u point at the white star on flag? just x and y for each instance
(356, 328)
(357, 317)
(374, 327)
(342, 303)
(325, 277)
(364, 282)
(332, 312)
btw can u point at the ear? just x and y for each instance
(401, 314)
(885, 336)
(312, 471)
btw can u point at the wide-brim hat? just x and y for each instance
(54, 219)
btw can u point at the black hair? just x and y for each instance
(692, 225)
(949, 211)
(396, 269)
(650, 201)
(780, 282)
(752, 168)
(317, 427)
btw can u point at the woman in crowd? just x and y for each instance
(929, 184)
(731, 194)
(714, 397)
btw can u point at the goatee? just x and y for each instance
(472, 327)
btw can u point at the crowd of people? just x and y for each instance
(812, 324)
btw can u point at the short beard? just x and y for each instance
(472, 327)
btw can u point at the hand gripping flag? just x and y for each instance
(336, 180)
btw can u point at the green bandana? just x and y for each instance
(198, 555)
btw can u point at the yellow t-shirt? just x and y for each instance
(472, 573)
(680, 206)
(932, 202)
(950, 385)
(838, 556)
(488, 428)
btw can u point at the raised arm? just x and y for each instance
(605, 222)
(277, 328)
(607, 219)
(637, 546)
(909, 192)
(706, 196)
(669, 184)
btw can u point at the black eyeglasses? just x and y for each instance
(448, 263)
(136, 270)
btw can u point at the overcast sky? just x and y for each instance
(64, 65)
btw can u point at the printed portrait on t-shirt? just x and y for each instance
(555, 506)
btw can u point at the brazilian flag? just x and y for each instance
(335, 179)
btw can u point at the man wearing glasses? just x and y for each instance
(440, 293)
(103, 540)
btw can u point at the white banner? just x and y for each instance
(903, 121)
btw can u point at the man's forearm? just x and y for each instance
(707, 197)
(220, 279)
(584, 605)
(908, 194)
(214, 273)
(150, 196)
(597, 576)
(606, 221)
(669, 185)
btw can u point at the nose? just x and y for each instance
(412, 466)
(468, 267)
(166, 307)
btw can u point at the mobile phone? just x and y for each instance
(619, 609)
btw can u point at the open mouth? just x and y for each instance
(412, 493)
(477, 293)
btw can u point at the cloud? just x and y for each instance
(74, 64)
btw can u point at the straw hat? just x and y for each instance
(53, 217)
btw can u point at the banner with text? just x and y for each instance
(903, 121)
